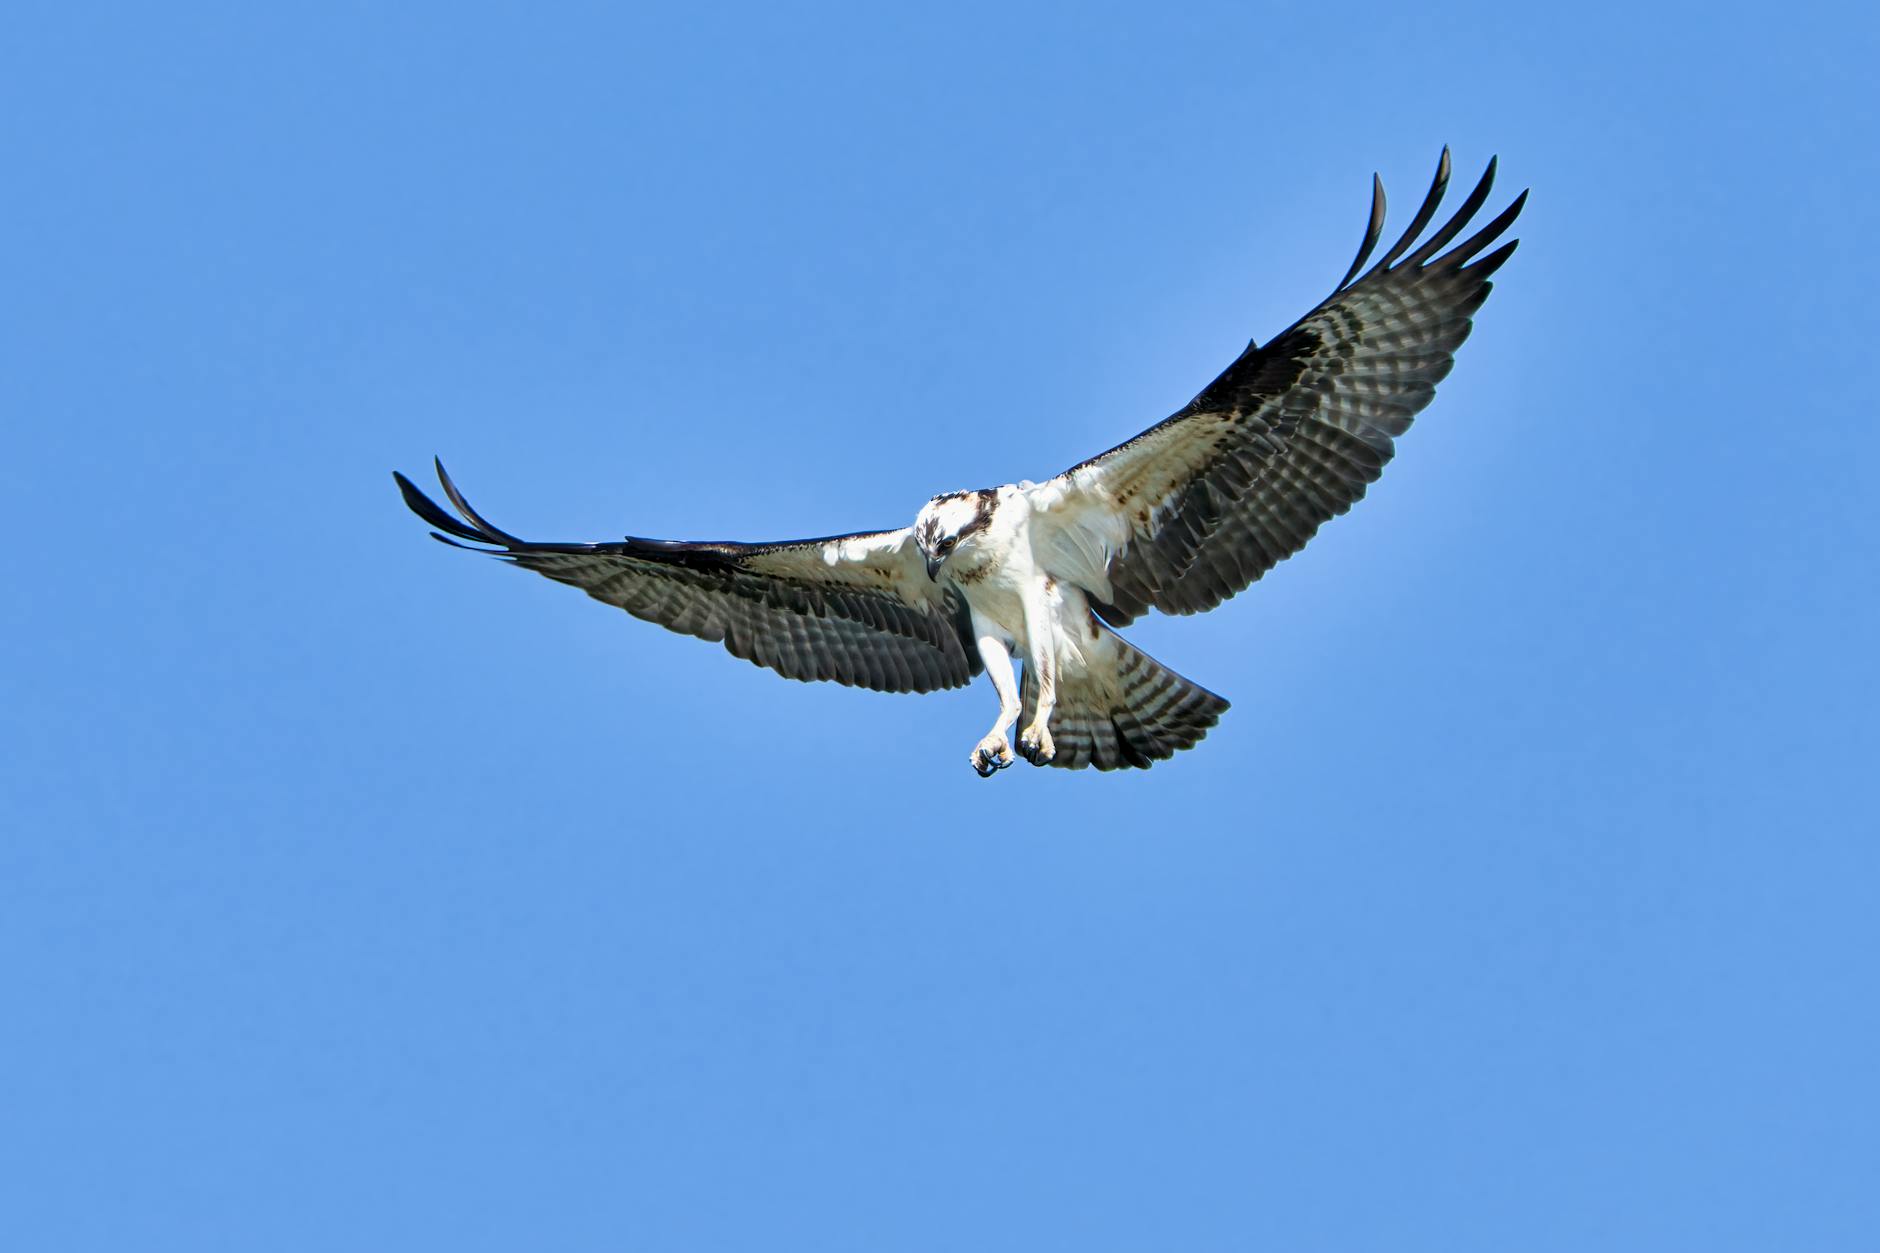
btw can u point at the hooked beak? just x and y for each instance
(933, 567)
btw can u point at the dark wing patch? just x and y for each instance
(868, 618)
(1291, 434)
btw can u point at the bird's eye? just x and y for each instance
(946, 545)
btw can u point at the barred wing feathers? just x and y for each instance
(1196, 508)
(856, 609)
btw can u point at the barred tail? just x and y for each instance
(1123, 709)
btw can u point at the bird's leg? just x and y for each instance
(995, 751)
(1041, 637)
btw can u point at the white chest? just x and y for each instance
(997, 588)
(994, 568)
(1004, 583)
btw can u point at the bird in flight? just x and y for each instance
(1178, 519)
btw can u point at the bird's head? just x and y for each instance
(946, 522)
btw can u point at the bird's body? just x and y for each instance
(1036, 574)
(1024, 589)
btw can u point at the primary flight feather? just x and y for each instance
(1178, 519)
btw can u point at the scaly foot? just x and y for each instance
(993, 753)
(1034, 743)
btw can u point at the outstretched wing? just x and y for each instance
(1196, 508)
(857, 609)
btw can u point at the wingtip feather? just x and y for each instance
(430, 510)
(1460, 254)
(1453, 227)
(491, 532)
(1493, 261)
(1432, 199)
(1372, 232)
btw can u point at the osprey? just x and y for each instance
(1178, 519)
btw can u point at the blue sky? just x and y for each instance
(361, 894)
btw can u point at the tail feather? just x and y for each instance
(1122, 709)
